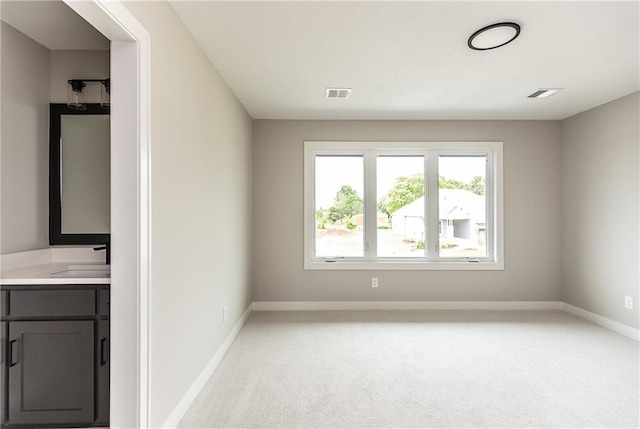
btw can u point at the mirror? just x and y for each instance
(79, 175)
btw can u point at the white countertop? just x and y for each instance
(57, 273)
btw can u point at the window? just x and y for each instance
(403, 205)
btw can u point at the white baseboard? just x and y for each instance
(625, 330)
(206, 373)
(448, 305)
(405, 305)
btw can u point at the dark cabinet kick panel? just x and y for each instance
(55, 356)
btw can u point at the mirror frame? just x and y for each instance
(56, 110)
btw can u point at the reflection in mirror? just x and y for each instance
(79, 175)
(85, 174)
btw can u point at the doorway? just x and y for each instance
(130, 207)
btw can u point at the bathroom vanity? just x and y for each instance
(55, 346)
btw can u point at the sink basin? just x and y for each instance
(87, 271)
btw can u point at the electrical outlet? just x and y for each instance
(374, 282)
(224, 314)
(628, 302)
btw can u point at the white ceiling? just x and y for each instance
(53, 24)
(410, 60)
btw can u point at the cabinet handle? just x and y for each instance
(103, 351)
(14, 352)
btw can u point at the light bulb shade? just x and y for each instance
(105, 97)
(75, 96)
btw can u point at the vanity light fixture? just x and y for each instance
(493, 36)
(105, 94)
(76, 98)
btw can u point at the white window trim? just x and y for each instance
(495, 220)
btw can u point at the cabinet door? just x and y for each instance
(51, 372)
(102, 370)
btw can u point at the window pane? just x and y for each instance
(462, 206)
(339, 206)
(400, 196)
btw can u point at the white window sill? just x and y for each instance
(403, 265)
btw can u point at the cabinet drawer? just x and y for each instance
(45, 303)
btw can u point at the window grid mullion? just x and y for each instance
(370, 209)
(431, 200)
(489, 207)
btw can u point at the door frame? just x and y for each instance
(130, 207)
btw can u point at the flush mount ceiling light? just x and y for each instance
(337, 92)
(544, 92)
(493, 36)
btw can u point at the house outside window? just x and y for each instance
(403, 205)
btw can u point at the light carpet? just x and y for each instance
(421, 369)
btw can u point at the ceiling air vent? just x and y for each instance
(544, 92)
(337, 92)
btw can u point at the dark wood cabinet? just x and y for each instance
(55, 370)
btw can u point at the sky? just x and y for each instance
(332, 172)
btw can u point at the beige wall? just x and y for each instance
(532, 215)
(32, 77)
(25, 143)
(201, 205)
(600, 209)
(67, 65)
